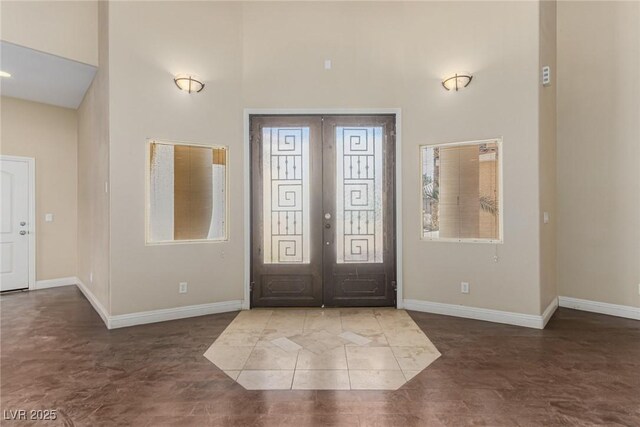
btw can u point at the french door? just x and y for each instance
(323, 211)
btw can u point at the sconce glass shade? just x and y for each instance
(457, 81)
(188, 83)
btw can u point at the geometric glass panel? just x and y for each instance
(285, 165)
(359, 221)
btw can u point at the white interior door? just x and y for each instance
(15, 241)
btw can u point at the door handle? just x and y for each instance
(327, 225)
(22, 232)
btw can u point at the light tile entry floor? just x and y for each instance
(322, 349)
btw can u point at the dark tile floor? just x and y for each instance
(584, 369)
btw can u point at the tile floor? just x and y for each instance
(583, 369)
(322, 349)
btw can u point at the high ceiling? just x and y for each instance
(41, 77)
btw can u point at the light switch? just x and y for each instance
(327, 64)
(545, 217)
(48, 217)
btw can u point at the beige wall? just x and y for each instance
(47, 134)
(501, 101)
(93, 174)
(148, 46)
(384, 55)
(547, 131)
(64, 28)
(271, 55)
(599, 151)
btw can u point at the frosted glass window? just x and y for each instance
(461, 191)
(187, 193)
(359, 226)
(285, 162)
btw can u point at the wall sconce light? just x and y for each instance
(188, 83)
(457, 81)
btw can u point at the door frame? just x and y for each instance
(246, 303)
(31, 176)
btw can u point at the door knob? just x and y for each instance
(22, 232)
(22, 223)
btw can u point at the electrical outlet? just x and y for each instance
(464, 287)
(182, 287)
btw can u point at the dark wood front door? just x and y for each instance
(323, 211)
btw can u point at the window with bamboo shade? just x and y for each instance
(186, 192)
(461, 191)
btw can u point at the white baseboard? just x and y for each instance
(153, 316)
(93, 300)
(548, 312)
(488, 315)
(54, 283)
(600, 307)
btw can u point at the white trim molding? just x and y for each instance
(54, 283)
(246, 148)
(154, 316)
(485, 314)
(162, 315)
(625, 311)
(93, 300)
(398, 195)
(548, 312)
(248, 112)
